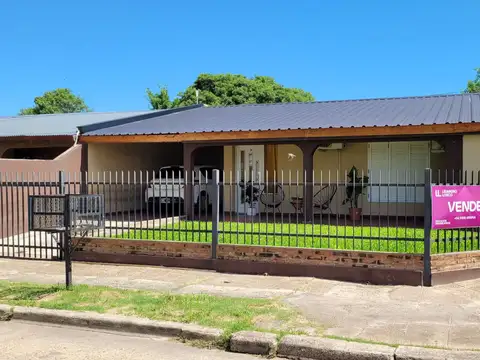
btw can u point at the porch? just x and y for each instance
(310, 179)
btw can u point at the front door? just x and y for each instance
(249, 169)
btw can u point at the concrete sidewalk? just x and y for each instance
(444, 316)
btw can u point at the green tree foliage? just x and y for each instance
(229, 89)
(56, 101)
(473, 86)
(159, 100)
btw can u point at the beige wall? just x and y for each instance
(330, 166)
(143, 156)
(117, 165)
(471, 154)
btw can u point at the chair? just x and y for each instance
(272, 197)
(321, 200)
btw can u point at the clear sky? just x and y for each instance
(109, 51)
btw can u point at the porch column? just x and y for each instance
(308, 149)
(188, 164)
(454, 152)
(84, 169)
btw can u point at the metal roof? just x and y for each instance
(421, 110)
(58, 124)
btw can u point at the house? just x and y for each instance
(318, 142)
(33, 149)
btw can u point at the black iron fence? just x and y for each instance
(370, 211)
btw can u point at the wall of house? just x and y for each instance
(133, 157)
(330, 166)
(34, 142)
(14, 204)
(471, 152)
(122, 171)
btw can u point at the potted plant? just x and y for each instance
(250, 195)
(354, 188)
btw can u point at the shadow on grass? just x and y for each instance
(24, 293)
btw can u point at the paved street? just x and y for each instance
(30, 341)
(442, 316)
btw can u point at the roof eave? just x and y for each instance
(127, 120)
(351, 132)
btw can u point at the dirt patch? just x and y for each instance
(110, 294)
(295, 324)
(124, 310)
(47, 297)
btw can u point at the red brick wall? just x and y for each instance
(284, 255)
(455, 261)
(144, 247)
(279, 255)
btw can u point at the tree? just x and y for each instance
(160, 100)
(56, 101)
(229, 89)
(473, 86)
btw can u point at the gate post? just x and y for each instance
(61, 191)
(66, 236)
(215, 211)
(427, 227)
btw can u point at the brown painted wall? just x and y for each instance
(14, 199)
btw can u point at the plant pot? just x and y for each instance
(355, 214)
(251, 211)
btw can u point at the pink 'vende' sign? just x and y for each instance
(455, 206)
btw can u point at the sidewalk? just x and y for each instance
(444, 316)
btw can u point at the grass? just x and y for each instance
(229, 314)
(366, 238)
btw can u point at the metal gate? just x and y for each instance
(16, 241)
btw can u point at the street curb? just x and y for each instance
(414, 353)
(307, 347)
(6, 312)
(250, 342)
(253, 342)
(117, 323)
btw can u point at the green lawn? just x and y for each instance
(229, 314)
(387, 239)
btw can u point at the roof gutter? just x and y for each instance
(127, 120)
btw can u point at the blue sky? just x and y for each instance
(108, 52)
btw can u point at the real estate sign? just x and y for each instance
(455, 206)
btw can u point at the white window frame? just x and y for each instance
(412, 195)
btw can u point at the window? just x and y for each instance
(397, 171)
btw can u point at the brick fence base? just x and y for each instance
(356, 266)
(453, 267)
